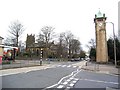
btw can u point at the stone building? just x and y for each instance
(31, 46)
(30, 41)
(101, 41)
(36, 48)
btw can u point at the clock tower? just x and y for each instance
(101, 41)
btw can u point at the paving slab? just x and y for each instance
(102, 68)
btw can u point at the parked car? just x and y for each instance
(75, 59)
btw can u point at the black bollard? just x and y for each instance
(86, 64)
(41, 62)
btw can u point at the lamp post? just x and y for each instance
(114, 43)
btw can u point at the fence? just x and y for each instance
(23, 63)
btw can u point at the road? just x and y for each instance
(60, 75)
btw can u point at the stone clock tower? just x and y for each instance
(101, 41)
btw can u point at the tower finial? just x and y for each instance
(99, 14)
(99, 10)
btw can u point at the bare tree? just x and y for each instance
(8, 41)
(68, 38)
(48, 33)
(75, 46)
(61, 46)
(72, 45)
(91, 44)
(16, 29)
(46, 36)
(40, 39)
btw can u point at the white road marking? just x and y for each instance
(74, 81)
(61, 80)
(71, 78)
(105, 73)
(108, 88)
(99, 81)
(71, 85)
(27, 71)
(74, 66)
(60, 86)
(63, 65)
(65, 83)
(76, 73)
(59, 65)
(72, 75)
(69, 66)
(68, 80)
(9, 74)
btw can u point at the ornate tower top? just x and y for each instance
(99, 15)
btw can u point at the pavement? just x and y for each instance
(23, 69)
(102, 68)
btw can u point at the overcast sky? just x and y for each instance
(64, 15)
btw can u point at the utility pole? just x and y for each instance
(114, 43)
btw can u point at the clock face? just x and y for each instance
(100, 24)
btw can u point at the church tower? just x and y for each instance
(101, 41)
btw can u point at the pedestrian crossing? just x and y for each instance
(67, 66)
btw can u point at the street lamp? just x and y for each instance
(114, 43)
